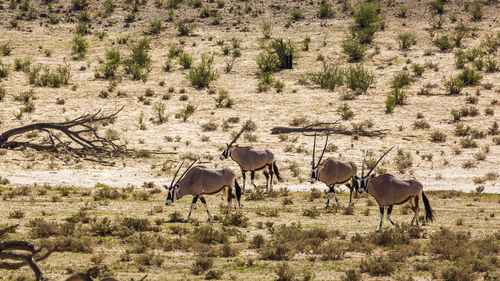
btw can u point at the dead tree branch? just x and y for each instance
(78, 137)
(329, 128)
(6, 253)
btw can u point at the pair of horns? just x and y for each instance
(371, 170)
(240, 132)
(314, 149)
(175, 175)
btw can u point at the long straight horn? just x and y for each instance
(324, 148)
(314, 149)
(363, 167)
(175, 175)
(240, 132)
(379, 161)
(180, 178)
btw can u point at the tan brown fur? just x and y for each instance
(333, 172)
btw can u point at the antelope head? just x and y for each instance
(173, 188)
(361, 183)
(315, 167)
(225, 153)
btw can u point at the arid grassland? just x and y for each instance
(286, 235)
(422, 76)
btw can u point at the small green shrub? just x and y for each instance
(401, 79)
(378, 266)
(406, 40)
(444, 43)
(325, 10)
(201, 75)
(418, 69)
(329, 77)
(188, 111)
(469, 77)
(185, 29)
(438, 6)
(22, 64)
(296, 14)
(4, 69)
(109, 68)
(345, 112)
(438, 136)
(453, 85)
(139, 63)
(79, 47)
(266, 29)
(155, 27)
(476, 10)
(185, 60)
(357, 77)
(5, 49)
(353, 49)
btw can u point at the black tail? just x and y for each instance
(238, 191)
(275, 169)
(429, 213)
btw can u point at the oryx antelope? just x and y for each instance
(200, 180)
(333, 172)
(252, 159)
(389, 190)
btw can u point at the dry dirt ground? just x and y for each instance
(438, 165)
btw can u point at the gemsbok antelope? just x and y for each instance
(252, 159)
(200, 180)
(333, 172)
(389, 190)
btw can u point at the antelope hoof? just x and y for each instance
(378, 230)
(327, 206)
(186, 220)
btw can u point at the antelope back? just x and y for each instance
(334, 171)
(251, 159)
(202, 180)
(389, 190)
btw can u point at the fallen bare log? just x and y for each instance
(329, 128)
(77, 137)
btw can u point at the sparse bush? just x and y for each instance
(357, 77)
(5, 49)
(185, 60)
(453, 85)
(401, 79)
(345, 111)
(139, 63)
(443, 43)
(353, 49)
(418, 69)
(438, 136)
(476, 10)
(438, 6)
(201, 75)
(79, 47)
(4, 69)
(406, 40)
(325, 10)
(403, 161)
(469, 77)
(188, 111)
(468, 142)
(421, 124)
(113, 61)
(3, 92)
(378, 266)
(155, 27)
(329, 77)
(284, 50)
(266, 29)
(296, 14)
(22, 64)
(159, 110)
(201, 265)
(185, 29)
(223, 100)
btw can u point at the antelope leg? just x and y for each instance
(381, 218)
(272, 173)
(244, 180)
(252, 177)
(350, 195)
(205, 203)
(389, 211)
(195, 198)
(266, 174)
